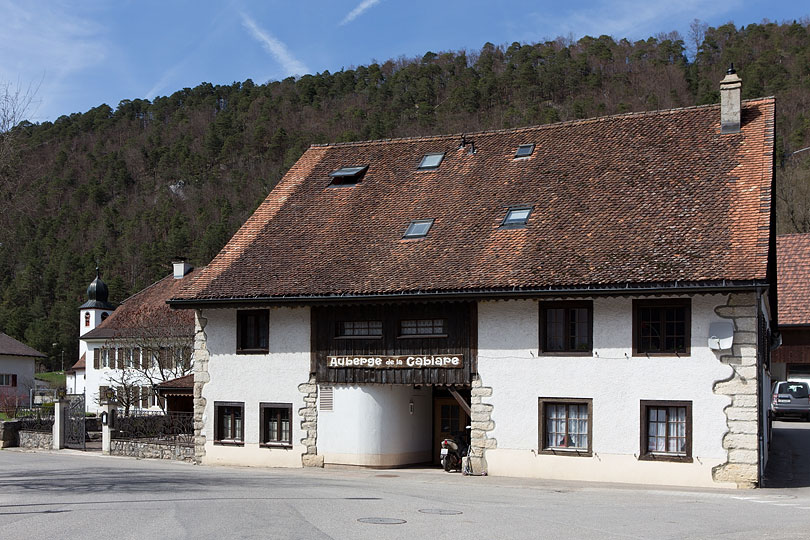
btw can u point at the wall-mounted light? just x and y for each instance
(410, 406)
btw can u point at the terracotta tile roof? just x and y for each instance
(147, 309)
(636, 198)
(186, 381)
(793, 278)
(11, 347)
(79, 365)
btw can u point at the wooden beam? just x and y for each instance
(455, 394)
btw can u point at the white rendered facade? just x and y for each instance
(16, 379)
(614, 379)
(380, 425)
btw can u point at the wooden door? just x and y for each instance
(449, 419)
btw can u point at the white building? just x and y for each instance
(17, 365)
(135, 347)
(597, 294)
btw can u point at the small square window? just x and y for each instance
(276, 427)
(661, 327)
(666, 430)
(348, 176)
(566, 327)
(229, 423)
(418, 228)
(524, 150)
(516, 217)
(431, 161)
(252, 331)
(565, 426)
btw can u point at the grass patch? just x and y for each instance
(56, 379)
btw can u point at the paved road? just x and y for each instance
(789, 464)
(50, 495)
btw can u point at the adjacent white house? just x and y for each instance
(135, 347)
(594, 298)
(17, 365)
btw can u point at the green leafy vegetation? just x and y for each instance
(131, 188)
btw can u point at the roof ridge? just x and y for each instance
(564, 123)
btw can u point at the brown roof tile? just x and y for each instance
(80, 364)
(793, 278)
(11, 347)
(186, 381)
(637, 198)
(148, 309)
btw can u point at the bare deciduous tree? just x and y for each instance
(153, 346)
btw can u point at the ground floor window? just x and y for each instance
(666, 430)
(8, 379)
(276, 426)
(229, 426)
(565, 425)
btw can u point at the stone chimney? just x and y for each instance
(181, 268)
(730, 103)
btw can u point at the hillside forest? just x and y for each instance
(132, 187)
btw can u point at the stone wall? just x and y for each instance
(8, 433)
(741, 441)
(36, 439)
(201, 376)
(480, 423)
(309, 423)
(148, 450)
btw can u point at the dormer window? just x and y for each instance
(431, 161)
(516, 217)
(524, 150)
(418, 228)
(348, 176)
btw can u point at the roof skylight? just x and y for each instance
(516, 216)
(348, 175)
(431, 161)
(524, 150)
(418, 228)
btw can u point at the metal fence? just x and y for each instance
(40, 420)
(155, 427)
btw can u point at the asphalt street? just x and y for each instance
(73, 495)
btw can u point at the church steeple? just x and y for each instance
(97, 294)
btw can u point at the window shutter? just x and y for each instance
(119, 358)
(13, 379)
(97, 358)
(144, 397)
(164, 358)
(136, 358)
(102, 391)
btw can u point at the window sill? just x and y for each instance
(566, 452)
(276, 445)
(421, 336)
(665, 457)
(229, 443)
(252, 351)
(666, 354)
(566, 353)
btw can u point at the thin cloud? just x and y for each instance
(361, 8)
(277, 49)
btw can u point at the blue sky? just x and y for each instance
(80, 54)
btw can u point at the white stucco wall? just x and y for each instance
(23, 368)
(253, 379)
(509, 361)
(371, 425)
